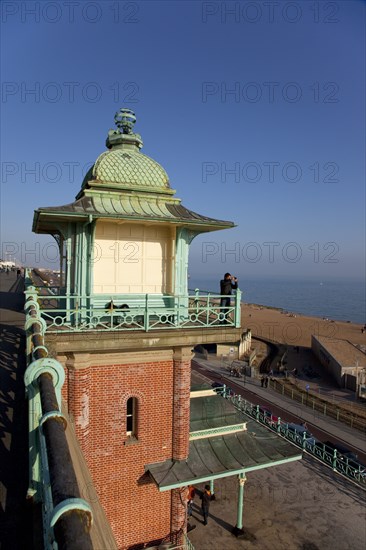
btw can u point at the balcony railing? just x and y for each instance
(137, 311)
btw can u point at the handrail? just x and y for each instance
(203, 291)
(67, 518)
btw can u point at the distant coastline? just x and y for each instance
(338, 300)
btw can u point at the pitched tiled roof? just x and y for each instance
(127, 206)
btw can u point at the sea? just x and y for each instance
(335, 299)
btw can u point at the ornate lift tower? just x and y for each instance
(126, 325)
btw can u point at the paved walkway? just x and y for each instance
(312, 374)
(16, 521)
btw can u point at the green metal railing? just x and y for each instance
(67, 518)
(137, 311)
(332, 458)
(187, 544)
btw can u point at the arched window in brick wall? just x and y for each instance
(131, 417)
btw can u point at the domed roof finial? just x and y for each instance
(125, 120)
(124, 137)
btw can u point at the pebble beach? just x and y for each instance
(293, 329)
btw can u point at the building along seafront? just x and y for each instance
(123, 325)
(344, 361)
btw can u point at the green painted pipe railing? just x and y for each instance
(67, 518)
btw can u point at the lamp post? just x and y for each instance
(238, 529)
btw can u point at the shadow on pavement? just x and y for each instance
(15, 517)
(197, 515)
(13, 301)
(337, 483)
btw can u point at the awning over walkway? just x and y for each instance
(223, 454)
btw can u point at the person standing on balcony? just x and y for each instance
(227, 284)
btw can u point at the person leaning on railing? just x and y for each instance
(227, 284)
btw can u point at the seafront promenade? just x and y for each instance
(17, 524)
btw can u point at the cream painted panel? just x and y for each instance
(154, 249)
(136, 231)
(104, 259)
(133, 258)
(108, 289)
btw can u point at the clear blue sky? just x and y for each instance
(292, 130)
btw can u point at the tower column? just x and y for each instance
(179, 514)
(180, 446)
(78, 379)
(181, 401)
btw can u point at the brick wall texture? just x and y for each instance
(97, 397)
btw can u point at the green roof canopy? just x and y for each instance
(223, 455)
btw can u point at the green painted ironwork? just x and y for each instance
(241, 482)
(75, 313)
(66, 506)
(221, 430)
(228, 473)
(187, 545)
(334, 459)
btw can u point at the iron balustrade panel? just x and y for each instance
(69, 313)
(335, 460)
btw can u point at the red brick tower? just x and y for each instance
(127, 331)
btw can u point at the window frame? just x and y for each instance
(131, 417)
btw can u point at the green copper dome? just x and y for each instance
(123, 166)
(129, 168)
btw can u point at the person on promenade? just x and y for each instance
(191, 491)
(227, 284)
(266, 382)
(206, 499)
